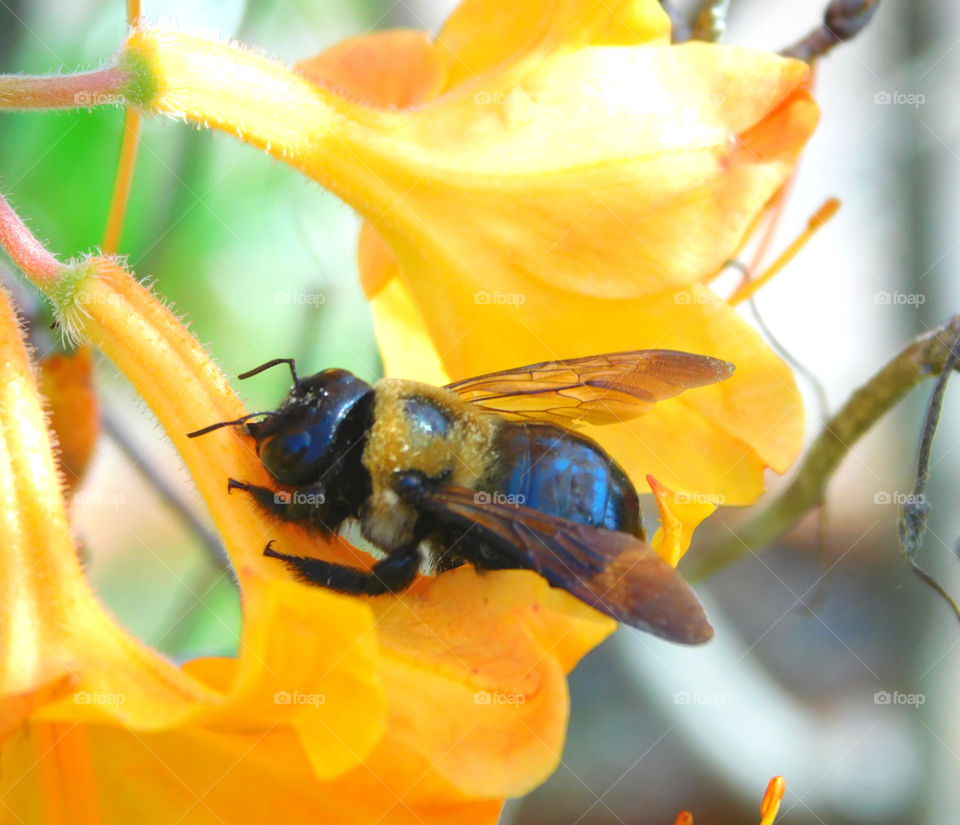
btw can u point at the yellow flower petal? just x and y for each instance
(15, 708)
(402, 334)
(569, 176)
(51, 627)
(680, 514)
(308, 658)
(482, 35)
(201, 777)
(389, 69)
(561, 172)
(491, 649)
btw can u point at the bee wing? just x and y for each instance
(615, 573)
(596, 389)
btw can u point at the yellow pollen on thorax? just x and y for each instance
(398, 442)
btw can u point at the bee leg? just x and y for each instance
(264, 496)
(299, 507)
(390, 575)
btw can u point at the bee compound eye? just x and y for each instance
(285, 450)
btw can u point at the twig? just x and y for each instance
(842, 21)
(914, 510)
(923, 358)
(711, 21)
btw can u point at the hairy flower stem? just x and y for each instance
(69, 91)
(24, 249)
(924, 357)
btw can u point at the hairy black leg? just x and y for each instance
(390, 575)
(299, 506)
(271, 500)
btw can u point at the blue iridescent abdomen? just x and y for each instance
(564, 474)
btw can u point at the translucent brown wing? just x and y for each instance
(615, 573)
(596, 389)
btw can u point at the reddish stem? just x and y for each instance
(68, 91)
(25, 250)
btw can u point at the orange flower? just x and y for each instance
(66, 381)
(324, 704)
(538, 183)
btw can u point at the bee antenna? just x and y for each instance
(288, 361)
(240, 420)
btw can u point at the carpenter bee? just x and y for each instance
(488, 471)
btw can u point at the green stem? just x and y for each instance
(924, 357)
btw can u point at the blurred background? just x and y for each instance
(814, 635)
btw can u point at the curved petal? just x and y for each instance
(481, 35)
(16, 708)
(51, 626)
(568, 175)
(558, 170)
(308, 658)
(680, 514)
(388, 69)
(200, 777)
(402, 334)
(491, 649)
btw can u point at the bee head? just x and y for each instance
(317, 431)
